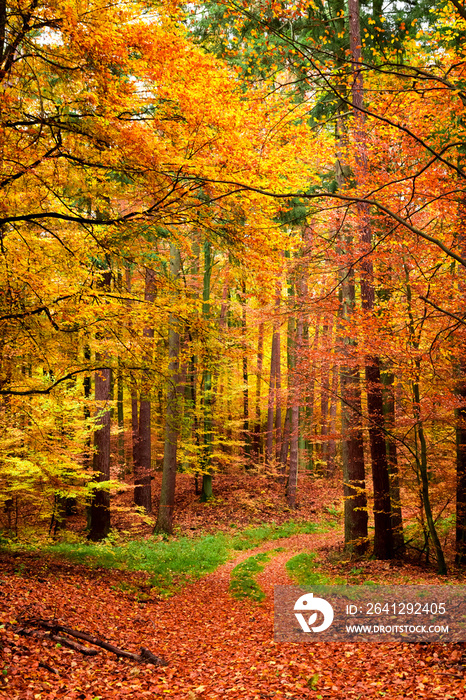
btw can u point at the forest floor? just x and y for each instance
(213, 645)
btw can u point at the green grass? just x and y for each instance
(173, 562)
(169, 563)
(243, 583)
(302, 570)
(254, 536)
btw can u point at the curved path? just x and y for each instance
(216, 647)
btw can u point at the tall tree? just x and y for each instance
(172, 412)
(143, 462)
(383, 538)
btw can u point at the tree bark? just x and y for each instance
(461, 467)
(172, 414)
(273, 388)
(99, 510)
(354, 480)
(246, 434)
(388, 380)
(383, 539)
(207, 486)
(294, 349)
(257, 417)
(143, 465)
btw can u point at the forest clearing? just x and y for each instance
(232, 340)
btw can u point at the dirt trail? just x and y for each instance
(216, 647)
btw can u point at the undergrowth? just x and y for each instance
(303, 571)
(243, 583)
(254, 536)
(171, 562)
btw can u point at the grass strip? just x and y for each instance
(243, 582)
(254, 536)
(302, 571)
(169, 563)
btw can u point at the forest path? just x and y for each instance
(216, 647)
(225, 648)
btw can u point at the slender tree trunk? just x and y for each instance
(274, 364)
(121, 422)
(354, 480)
(324, 395)
(135, 426)
(295, 348)
(421, 460)
(100, 503)
(246, 434)
(332, 446)
(99, 510)
(310, 402)
(257, 418)
(461, 467)
(172, 414)
(388, 380)
(278, 397)
(207, 488)
(87, 385)
(142, 472)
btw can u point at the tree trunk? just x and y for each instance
(461, 468)
(142, 472)
(419, 435)
(332, 447)
(100, 503)
(295, 348)
(324, 396)
(274, 365)
(246, 434)
(207, 488)
(99, 510)
(121, 422)
(388, 380)
(354, 484)
(172, 414)
(257, 418)
(383, 539)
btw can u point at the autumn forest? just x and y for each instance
(232, 260)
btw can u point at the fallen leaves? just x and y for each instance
(216, 647)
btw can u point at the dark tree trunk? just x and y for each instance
(383, 539)
(388, 380)
(246, 434)
(257, 420)
(172, 414)
(207, 447)
(121, 422)
(143, 465)
(354, 480)
(99, 512)
(461, 468)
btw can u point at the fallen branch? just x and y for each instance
(27, 632)
(145, 656)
